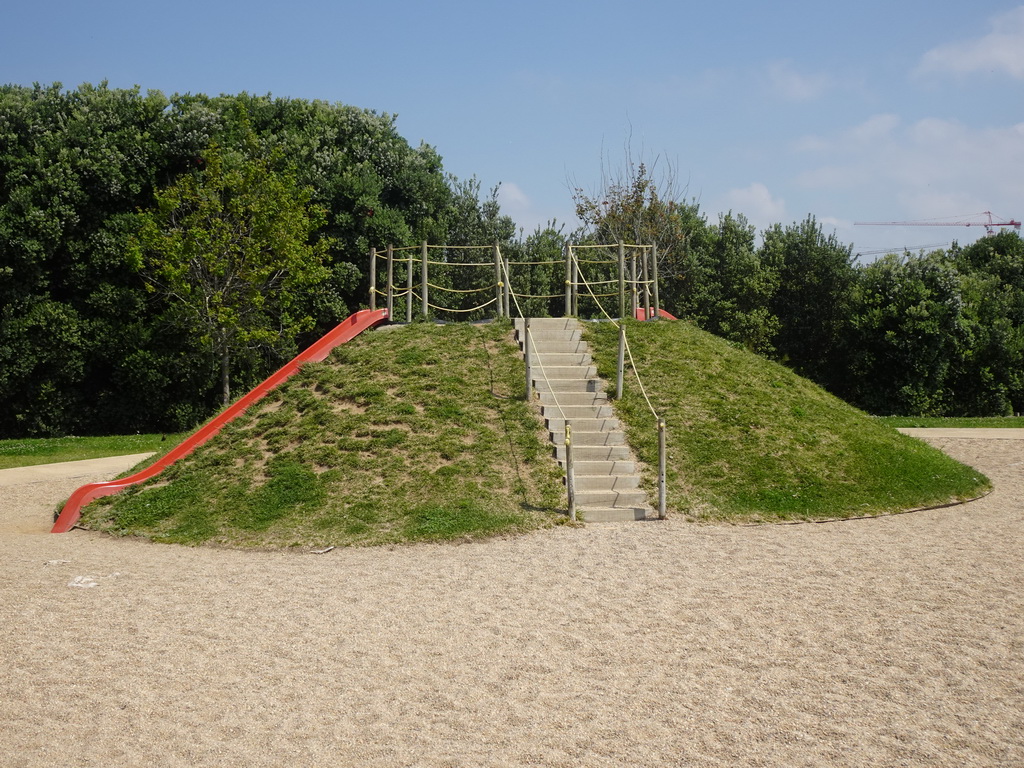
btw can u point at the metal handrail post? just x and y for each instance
(661, 469)
(570, 478)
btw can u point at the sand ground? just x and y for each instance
(895, 641)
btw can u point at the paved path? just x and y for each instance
(110, 465)
(995, 433)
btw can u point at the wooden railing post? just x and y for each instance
(654, 278)
(373, 278)
(408, 289)
(499, 293)
(568, 280)
(423, 280)
(622, 280)
(647, 284)
(391, 282)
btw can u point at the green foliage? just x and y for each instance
(75, 168)
(227, 248)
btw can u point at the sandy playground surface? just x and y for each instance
(896, 641)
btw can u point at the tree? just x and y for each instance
(229, 248)
(812, 302)
(909, 335)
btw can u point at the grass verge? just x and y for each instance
(954, 422)
(749, 440)
(50, 450)
(404, 434)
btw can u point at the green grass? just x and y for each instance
(750, 440)
(406, 434)
(28, 452)
(954, 422)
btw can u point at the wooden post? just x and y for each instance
(570, 478)
(499, 284)
(508, 289)
(661, 469)
(634, 296)
(423, 280)
(647, 284)
(568, 280)
(408, 290)
(373, 278)
(527, 343)
(574, 284)
(654, 278)
(622, 361)
(622, 280)
(391, 282)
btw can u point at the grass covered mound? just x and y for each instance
(750, 440)
(403, 434)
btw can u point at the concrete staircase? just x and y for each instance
(566, 380)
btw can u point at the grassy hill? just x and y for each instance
(420, 433)
(403, 434)
(750, 440)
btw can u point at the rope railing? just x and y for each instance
(636, 276)
(624, 348)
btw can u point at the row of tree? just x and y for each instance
(152, 249)
(155, 252)
(939, 333)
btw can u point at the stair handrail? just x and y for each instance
(659, 421)
(528, 343)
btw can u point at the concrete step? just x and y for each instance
(552, 372)
(626, 498)
(571, 412)
(614, 514)
(594, 453)
(589, 438)
(557, 346)
(549, 360)
(548, 323)
(610, 468)
(556, 424)
(568, 389)
(547, 398)
(567, 385)
(606, 482)
(539, 335)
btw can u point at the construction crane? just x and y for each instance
(989, 224)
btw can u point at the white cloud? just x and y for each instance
(791, 85)
(757, 203)
(930, 168)
(1001, 50)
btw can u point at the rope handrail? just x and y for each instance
(471, 309)
(536, 352)
(632, 363)
(457, 247)
(490, 287)
(461, 263)
(537, 295)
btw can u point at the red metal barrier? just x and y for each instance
(318, 351)
(661, 313)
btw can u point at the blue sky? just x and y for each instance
(898, 110)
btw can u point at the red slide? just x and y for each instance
(661, 313)
(344, 331)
